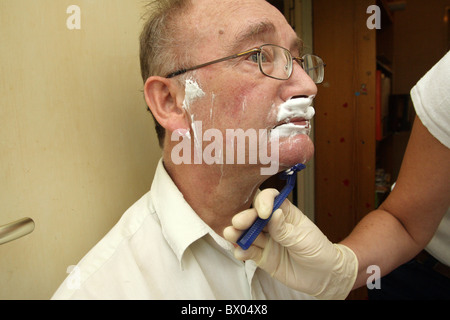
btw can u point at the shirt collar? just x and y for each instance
(180, 225)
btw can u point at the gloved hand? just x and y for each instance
(295, 251)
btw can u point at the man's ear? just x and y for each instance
(163, 98)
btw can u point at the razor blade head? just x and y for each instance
(298, 167)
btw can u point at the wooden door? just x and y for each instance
(345, 116)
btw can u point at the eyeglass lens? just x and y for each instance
(314, 67)
(277, 62)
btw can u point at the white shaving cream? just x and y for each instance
(192, 91)
(298, 108)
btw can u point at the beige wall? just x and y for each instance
(77, 147)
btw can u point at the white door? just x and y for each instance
(77, 146)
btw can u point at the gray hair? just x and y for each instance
(162, 49)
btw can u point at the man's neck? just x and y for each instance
(215, 192)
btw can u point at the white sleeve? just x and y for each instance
(431, 99)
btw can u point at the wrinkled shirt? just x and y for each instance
(161, 249)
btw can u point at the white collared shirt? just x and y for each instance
(161, 249)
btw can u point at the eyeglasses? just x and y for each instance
(274, 61)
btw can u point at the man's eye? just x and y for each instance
(253, 57)
(265, 57)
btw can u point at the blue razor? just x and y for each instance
(247, 238)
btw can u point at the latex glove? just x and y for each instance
(295, 251)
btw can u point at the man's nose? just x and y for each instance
(299, 84)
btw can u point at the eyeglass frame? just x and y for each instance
(299, 60)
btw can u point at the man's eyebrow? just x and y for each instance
(257, 31)
(298, 45)
(252, 32)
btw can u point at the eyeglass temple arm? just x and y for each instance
(181, 71)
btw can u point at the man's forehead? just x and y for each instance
(254, 30)
(260, 30)
(236, 23)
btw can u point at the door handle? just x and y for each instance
(16, 230)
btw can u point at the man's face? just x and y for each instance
(234, 94)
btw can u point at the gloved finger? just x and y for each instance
(253, 253)
(260, 240)
(264, 202)
(288, 230)
(278, 227)
(292, 214)
(232, 234)
(244, 219)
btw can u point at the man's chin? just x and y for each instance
(293, 150)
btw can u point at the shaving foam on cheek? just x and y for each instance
(192, 91)
(296, 108)
(294, 116)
